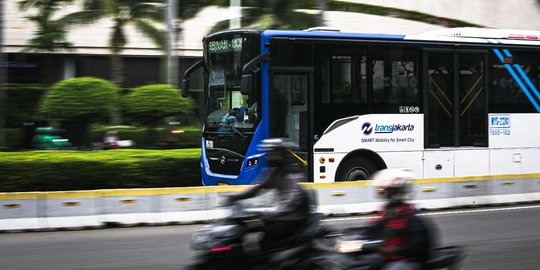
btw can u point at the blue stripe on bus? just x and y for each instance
(499, 55)
(527, 80)
(516, 77)
(522, 86)
(507, 52)
(321, 34)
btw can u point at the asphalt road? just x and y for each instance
(496, 239)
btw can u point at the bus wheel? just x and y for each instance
(357, 168)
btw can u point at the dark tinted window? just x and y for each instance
(395, 80)
(512, 74)
(344, 76)
(291, 54)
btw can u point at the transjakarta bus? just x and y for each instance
(449, 103)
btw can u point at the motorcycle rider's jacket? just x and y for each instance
(292, 199)
(404, 234)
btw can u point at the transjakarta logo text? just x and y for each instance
(393, 128)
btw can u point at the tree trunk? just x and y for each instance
(117, 75)
(117, 69)
(77, 132)
(47, 67)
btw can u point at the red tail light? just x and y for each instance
(219, 249)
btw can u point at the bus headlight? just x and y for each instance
(252, 162)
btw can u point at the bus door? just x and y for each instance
(455, 99)
(289, 108)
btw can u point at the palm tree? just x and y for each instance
(50, 35)
(275, 14)
(141, 14)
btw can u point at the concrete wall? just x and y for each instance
(97, 208)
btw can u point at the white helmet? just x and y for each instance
(393, 184)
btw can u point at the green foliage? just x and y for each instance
(82, 98)
(140, 14)
(13, 137)
(189, 137)
(50, 34)
(153, 102)
(22, 100)
(76, 170)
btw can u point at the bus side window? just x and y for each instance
(344, 78)
(506, 95)
(395, 79)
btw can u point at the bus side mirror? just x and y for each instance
(185, 88)
(185, 82)
(246, 85)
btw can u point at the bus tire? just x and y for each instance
(356, 168)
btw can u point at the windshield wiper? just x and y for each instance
(239, 133)
(220, 125)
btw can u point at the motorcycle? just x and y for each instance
(353, 250)
(230, 244)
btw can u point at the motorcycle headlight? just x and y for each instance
(348, 246)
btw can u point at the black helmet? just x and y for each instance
(277, 151)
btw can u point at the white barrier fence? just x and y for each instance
(96, 208)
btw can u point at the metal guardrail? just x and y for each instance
(157, 206)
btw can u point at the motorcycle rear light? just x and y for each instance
(219, 249)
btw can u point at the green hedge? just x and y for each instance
(22, 102)
(13, 137)
(151, 103)
(78, 170)
(83, 98)
(189, 138)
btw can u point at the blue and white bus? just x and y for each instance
(448, 103)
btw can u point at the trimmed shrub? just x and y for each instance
(84, 98)
(22, 101)
(75, 170)
(151, 103)
(78, 102)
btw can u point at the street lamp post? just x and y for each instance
(236, 19)
(172, 60)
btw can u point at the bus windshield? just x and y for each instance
(230, 113)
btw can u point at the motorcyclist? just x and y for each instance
(406, 240)
(282, 174)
